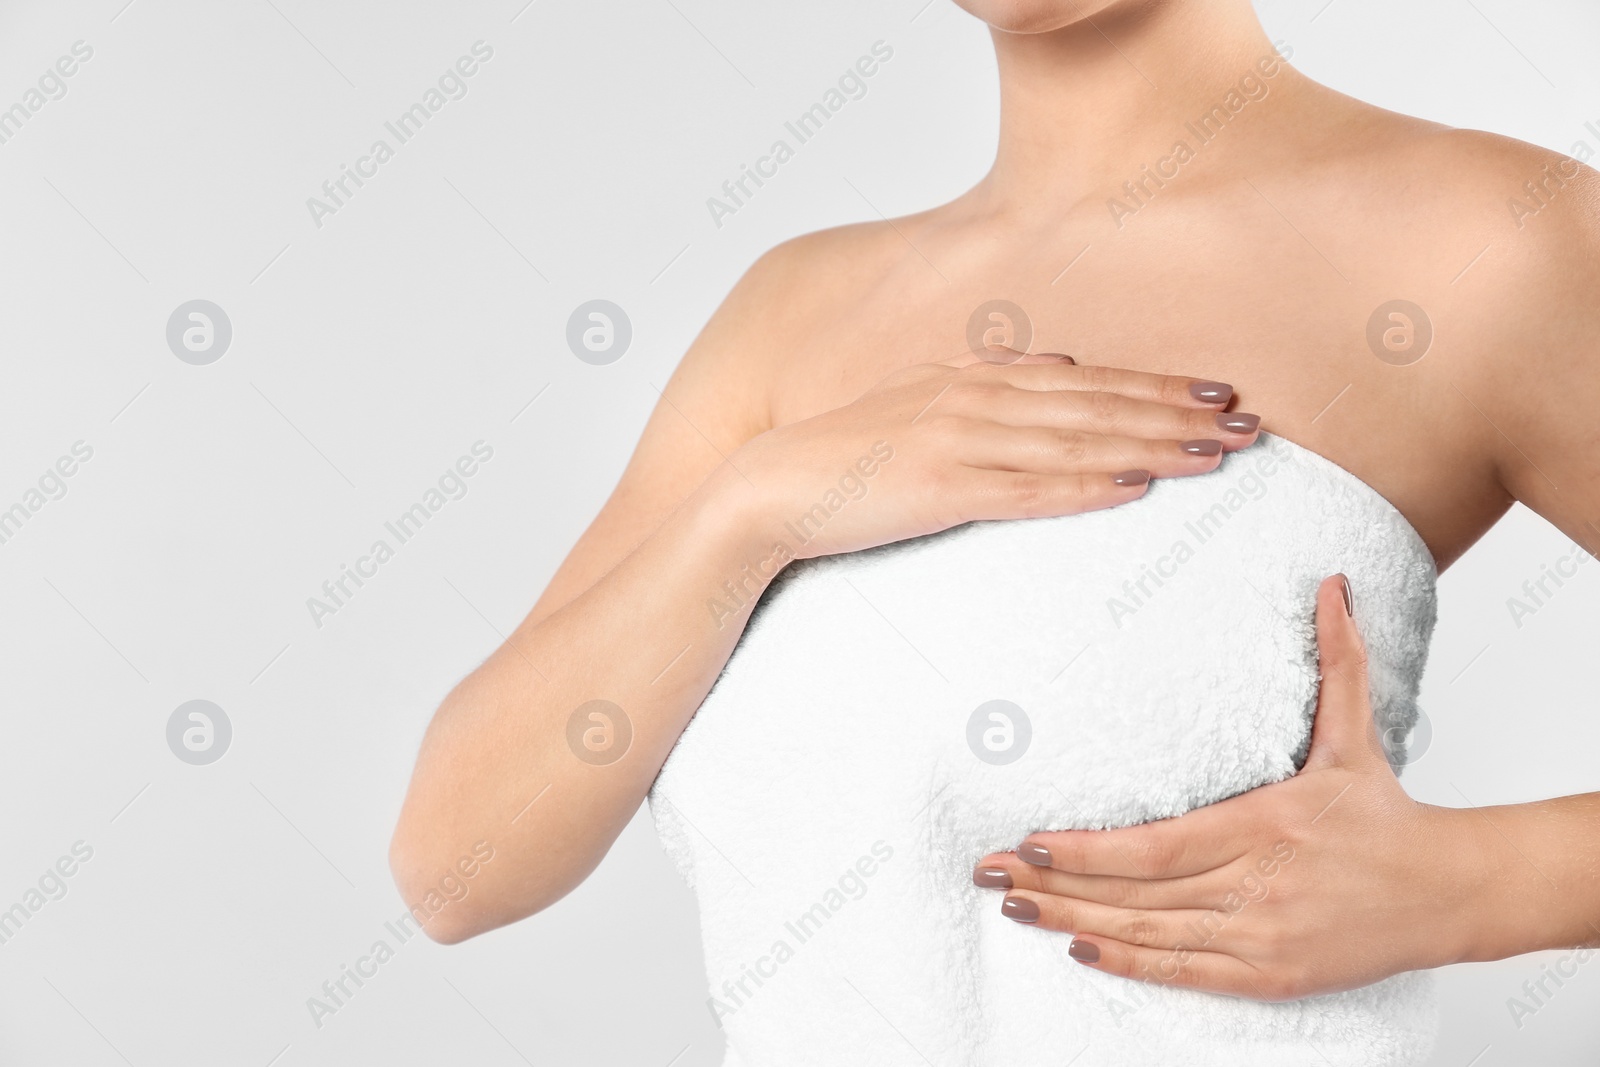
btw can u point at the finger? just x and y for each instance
(1183, 966)
(990, 494)
(1005, 870)
(1202, 840)
(1110, 414)
(1148, 928)
(1343, 731)
(1176, 390)
(1052, 451)
(1000, 356)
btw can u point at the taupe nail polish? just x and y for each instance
(1132, 478)
(1349, 597)
(1037, 855)
(1211, 392)
(1238, 421)
(992, 878)
(1201, 448)
(1083, 951)
(1020, 909)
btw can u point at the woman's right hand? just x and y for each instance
(940, 444)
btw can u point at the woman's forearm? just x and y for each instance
(499, 763)
(1540, 888)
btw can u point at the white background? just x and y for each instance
(371, 352)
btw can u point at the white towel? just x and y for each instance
(828, 809)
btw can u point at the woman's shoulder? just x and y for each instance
(823, 264)
(801, 280)
(1528, 220)
(754, 336)
(1502, 237)
(1471, 181)
(1499, 240)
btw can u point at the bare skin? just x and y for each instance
(1259, 264)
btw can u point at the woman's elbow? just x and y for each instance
(449, 892)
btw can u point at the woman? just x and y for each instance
(935, 806)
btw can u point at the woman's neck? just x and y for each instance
(1084, 108)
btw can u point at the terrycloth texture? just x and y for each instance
(826, 806)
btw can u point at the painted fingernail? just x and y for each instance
(1020, 909)
(1211, 392)
(1238, 421)
(1201, 448)
(1083, 951)
(1061, 356)
(992, 878)
(1132, 478)
(1034, 854)
(1349, 597)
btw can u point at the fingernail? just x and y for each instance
(992, 878)
(1061, 356)
(1211, 392)
(1201, 448)
(1083, 951)
(1034, 854)
(1349, 598)
(1132, 478)
(1020, 909)
(1238, 422)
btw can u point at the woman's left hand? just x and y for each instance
(1332, 879)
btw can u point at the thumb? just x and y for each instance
(1343, 732)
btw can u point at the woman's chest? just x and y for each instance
(1321, 357)
(1281, 341)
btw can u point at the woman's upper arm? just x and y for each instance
(1547, 375)
(714, 402)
